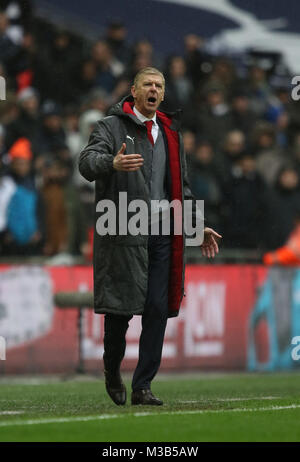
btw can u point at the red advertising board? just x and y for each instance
(211, 331)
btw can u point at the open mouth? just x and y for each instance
(151, 100)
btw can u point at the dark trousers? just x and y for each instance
(154, 319)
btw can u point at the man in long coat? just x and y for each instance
(138, 150)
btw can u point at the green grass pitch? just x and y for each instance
(197, 407)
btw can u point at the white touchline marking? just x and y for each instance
(255, 398)
(11, 412)
(60, 420)
(248, 399)
(218, 411)
(142, 414)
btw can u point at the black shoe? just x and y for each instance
(145, 397)
(115, 387)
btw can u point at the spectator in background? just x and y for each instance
(65, 228)
(269, 157)
(9, 110)
(86, 190)
(281, 129)
(144, 51)
(51, 135)
(98, 99)
(284, 206)
(198, 62)
(189, 143)
(278, 111)
(259, 89)
(179, 88)
(214, 117)
(140, 61)
(121, 89)
(65, 55)
(142, 56)
(87, 122)
(24, 211)
(243, 118)
(84, 78)
(116, 35)
(234, 145)
(71, 128)
(27, 123)
(20, 166)
(278, 102)
(223, 73)
(245, 199)
(31, 66)
(108, 68)
(204, 181)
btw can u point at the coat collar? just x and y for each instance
(124, 109)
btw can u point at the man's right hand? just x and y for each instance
(127, 162)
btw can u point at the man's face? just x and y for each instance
(21, 167)
(53, 122)
(31, 105)
(148, 94)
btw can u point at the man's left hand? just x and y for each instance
(210, 246)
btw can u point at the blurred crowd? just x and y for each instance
(241, 132)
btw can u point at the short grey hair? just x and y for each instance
(145, 71)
